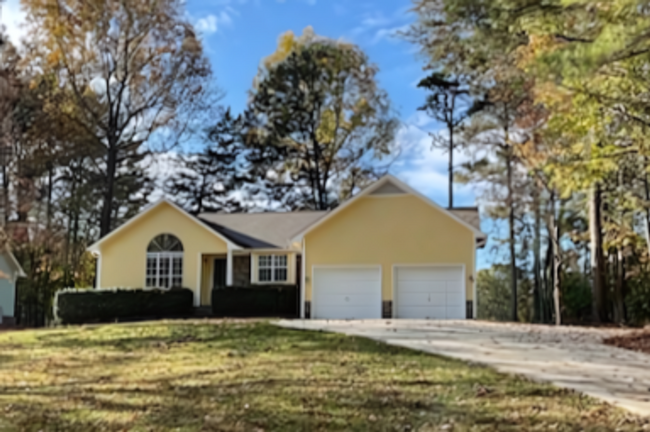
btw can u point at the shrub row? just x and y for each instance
(77, 307)
(255, 301)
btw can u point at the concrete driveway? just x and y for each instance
(570, 357)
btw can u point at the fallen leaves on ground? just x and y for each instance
(636, 341)
(253, 376)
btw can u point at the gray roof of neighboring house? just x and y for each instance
(261, 230)
(469, 215)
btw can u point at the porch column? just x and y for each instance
(229, 268)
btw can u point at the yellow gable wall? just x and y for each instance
(123, 256)
(390, 230)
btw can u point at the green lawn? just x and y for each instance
(252, 376)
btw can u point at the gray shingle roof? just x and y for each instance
(275, 230)
(261, 230)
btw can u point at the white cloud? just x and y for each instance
(424, 167)
(389, 33)
(207, 25)
(13, 19)
(370, 21)
(379, 27)
(212, 23)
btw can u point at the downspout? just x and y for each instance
(474, 281)
(303, 278)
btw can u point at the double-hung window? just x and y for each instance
(272, 268)
(165, 262)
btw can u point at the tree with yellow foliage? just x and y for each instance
(124, 70)
(317, 122)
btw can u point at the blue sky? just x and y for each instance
(237, 34)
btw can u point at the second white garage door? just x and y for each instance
(346, 293)
(430, 293)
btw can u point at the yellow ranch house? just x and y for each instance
(389, 252)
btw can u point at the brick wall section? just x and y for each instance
(241, 270)
(387, 309)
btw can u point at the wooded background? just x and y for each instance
(546, 101)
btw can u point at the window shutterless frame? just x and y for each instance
(164, 269)
(272, 268)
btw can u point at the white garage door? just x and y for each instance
(430, 293)
(346, 293)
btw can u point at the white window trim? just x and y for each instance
(273, 267)
(171, 256)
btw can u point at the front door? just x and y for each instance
(219, 273)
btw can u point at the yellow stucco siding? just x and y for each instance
(387, 231)
(123, 256)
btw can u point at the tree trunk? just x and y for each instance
(49, 196)
(555, 240)
(619, 302)
(596, 238)
(511, 227)
(537, 251)
(647, 209)
(547, 278)
(451, 166)
(5, 193)
(107, 205)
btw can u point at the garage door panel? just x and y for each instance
(457, 312)
(424, 312)
(455, 299)
(343, 287)
(415, 274)
(344, 313)
(436, 273)
(346, 293)
(422, 299)
(433, 292)
(343, 300)
(423, 286)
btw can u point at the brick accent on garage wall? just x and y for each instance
(387, 309)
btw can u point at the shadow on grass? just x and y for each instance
(287, 405)
(250, 338)
(261, 378)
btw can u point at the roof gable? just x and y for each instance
(388, 188)
(388, 185)
(95, 247)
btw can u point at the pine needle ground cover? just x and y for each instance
(253, 376)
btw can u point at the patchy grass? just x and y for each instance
(252, 376)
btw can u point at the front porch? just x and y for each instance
(242, 269)
(219, 271)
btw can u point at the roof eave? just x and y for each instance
(96, 249)
(375, 186)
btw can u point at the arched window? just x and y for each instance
(165, 262)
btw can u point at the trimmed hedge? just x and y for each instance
(78, 307)
(256, 301)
